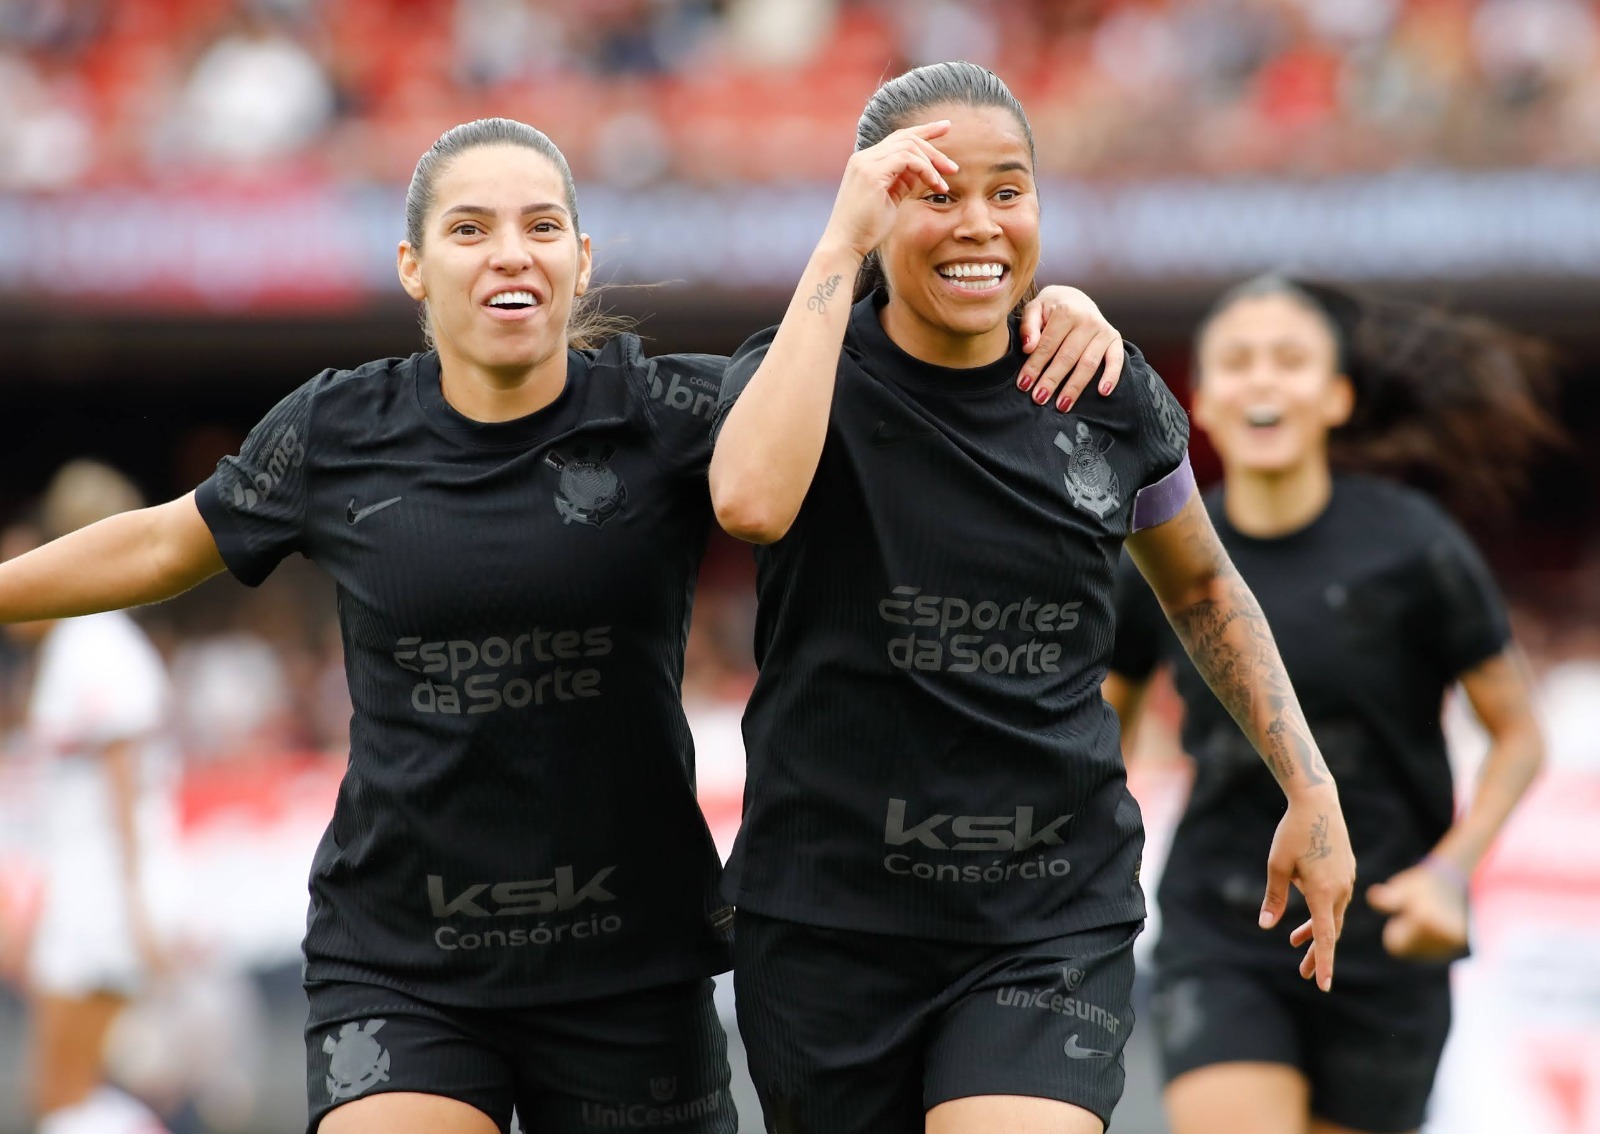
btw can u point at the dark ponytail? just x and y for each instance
(1455, 404)
(905, 100)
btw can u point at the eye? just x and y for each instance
(938, 198)
(1008, 194)
(545, 227)
(467, 228)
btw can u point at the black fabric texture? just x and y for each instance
(518, 822)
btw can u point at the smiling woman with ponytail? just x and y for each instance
(1343, 423)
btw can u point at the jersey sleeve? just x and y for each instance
(741, 368)
(1142, 631)
(685, 390)
(1168, 480)
(255, 502)
(1472, 624)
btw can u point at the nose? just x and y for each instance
(509, 252)
(975, 221)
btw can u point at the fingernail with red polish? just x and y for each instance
(1105, 387)
(1042, 395)
(1065, 403)
(1025, 382)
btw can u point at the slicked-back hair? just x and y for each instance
(1455, 404)
(905, 101)
(587, 326)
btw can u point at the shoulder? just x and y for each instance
(375, 384)
(1406, 515)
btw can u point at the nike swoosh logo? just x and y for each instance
(1075, 1050)
(355, 516)
(886, 434)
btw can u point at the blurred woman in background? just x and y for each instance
(99, 705)
(1381, 604)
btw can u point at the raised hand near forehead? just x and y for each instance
(879, 177)
(1066, 337)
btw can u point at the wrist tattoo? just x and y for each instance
(825, 292)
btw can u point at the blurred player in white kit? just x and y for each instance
(97, 711)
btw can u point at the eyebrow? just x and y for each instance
(485, 210)
(1010, 167)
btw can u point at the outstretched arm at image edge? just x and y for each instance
(1225, 633)
(126, 560)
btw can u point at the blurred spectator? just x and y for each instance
(256, 95)
(1117, 88)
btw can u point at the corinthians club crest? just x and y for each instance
(358, 1062)
(589, 492)
(1091, 482)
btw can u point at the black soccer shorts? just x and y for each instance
(862, 1033)
(1369, 1049)
(655, 1059)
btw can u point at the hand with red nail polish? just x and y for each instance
(1063, 326)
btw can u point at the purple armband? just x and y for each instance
(1159, 502)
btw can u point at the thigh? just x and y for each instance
(69, 1034)
(1373, 1051)
(1014, 1114)
(1238, 1098)
(363, 1041)
(1045, 1021)
(402, 1112)
(831, 1022)
(655, 1059)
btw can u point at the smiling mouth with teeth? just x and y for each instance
(1263, 417)
(514, 300)
(973, 277)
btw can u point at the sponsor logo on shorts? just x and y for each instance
(558, 894)
(357, 1060)
(1179, 1013)
(1075, 1050)
(646, 1116)
(689, 393)
(1017, 833)
(942, 637)
(664, 1088)
(503, 671)
(1049, 1000)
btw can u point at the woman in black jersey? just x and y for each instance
(515, 902)
(937, 872)
(1382, 604)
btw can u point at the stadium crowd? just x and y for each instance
(96, 92)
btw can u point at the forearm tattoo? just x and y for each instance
(1228, 638)
(825, 292)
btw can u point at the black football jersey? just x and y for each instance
(929, 754)
(518, 822)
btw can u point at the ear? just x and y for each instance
(585, 263)
(409, 266)
(1340, 402)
